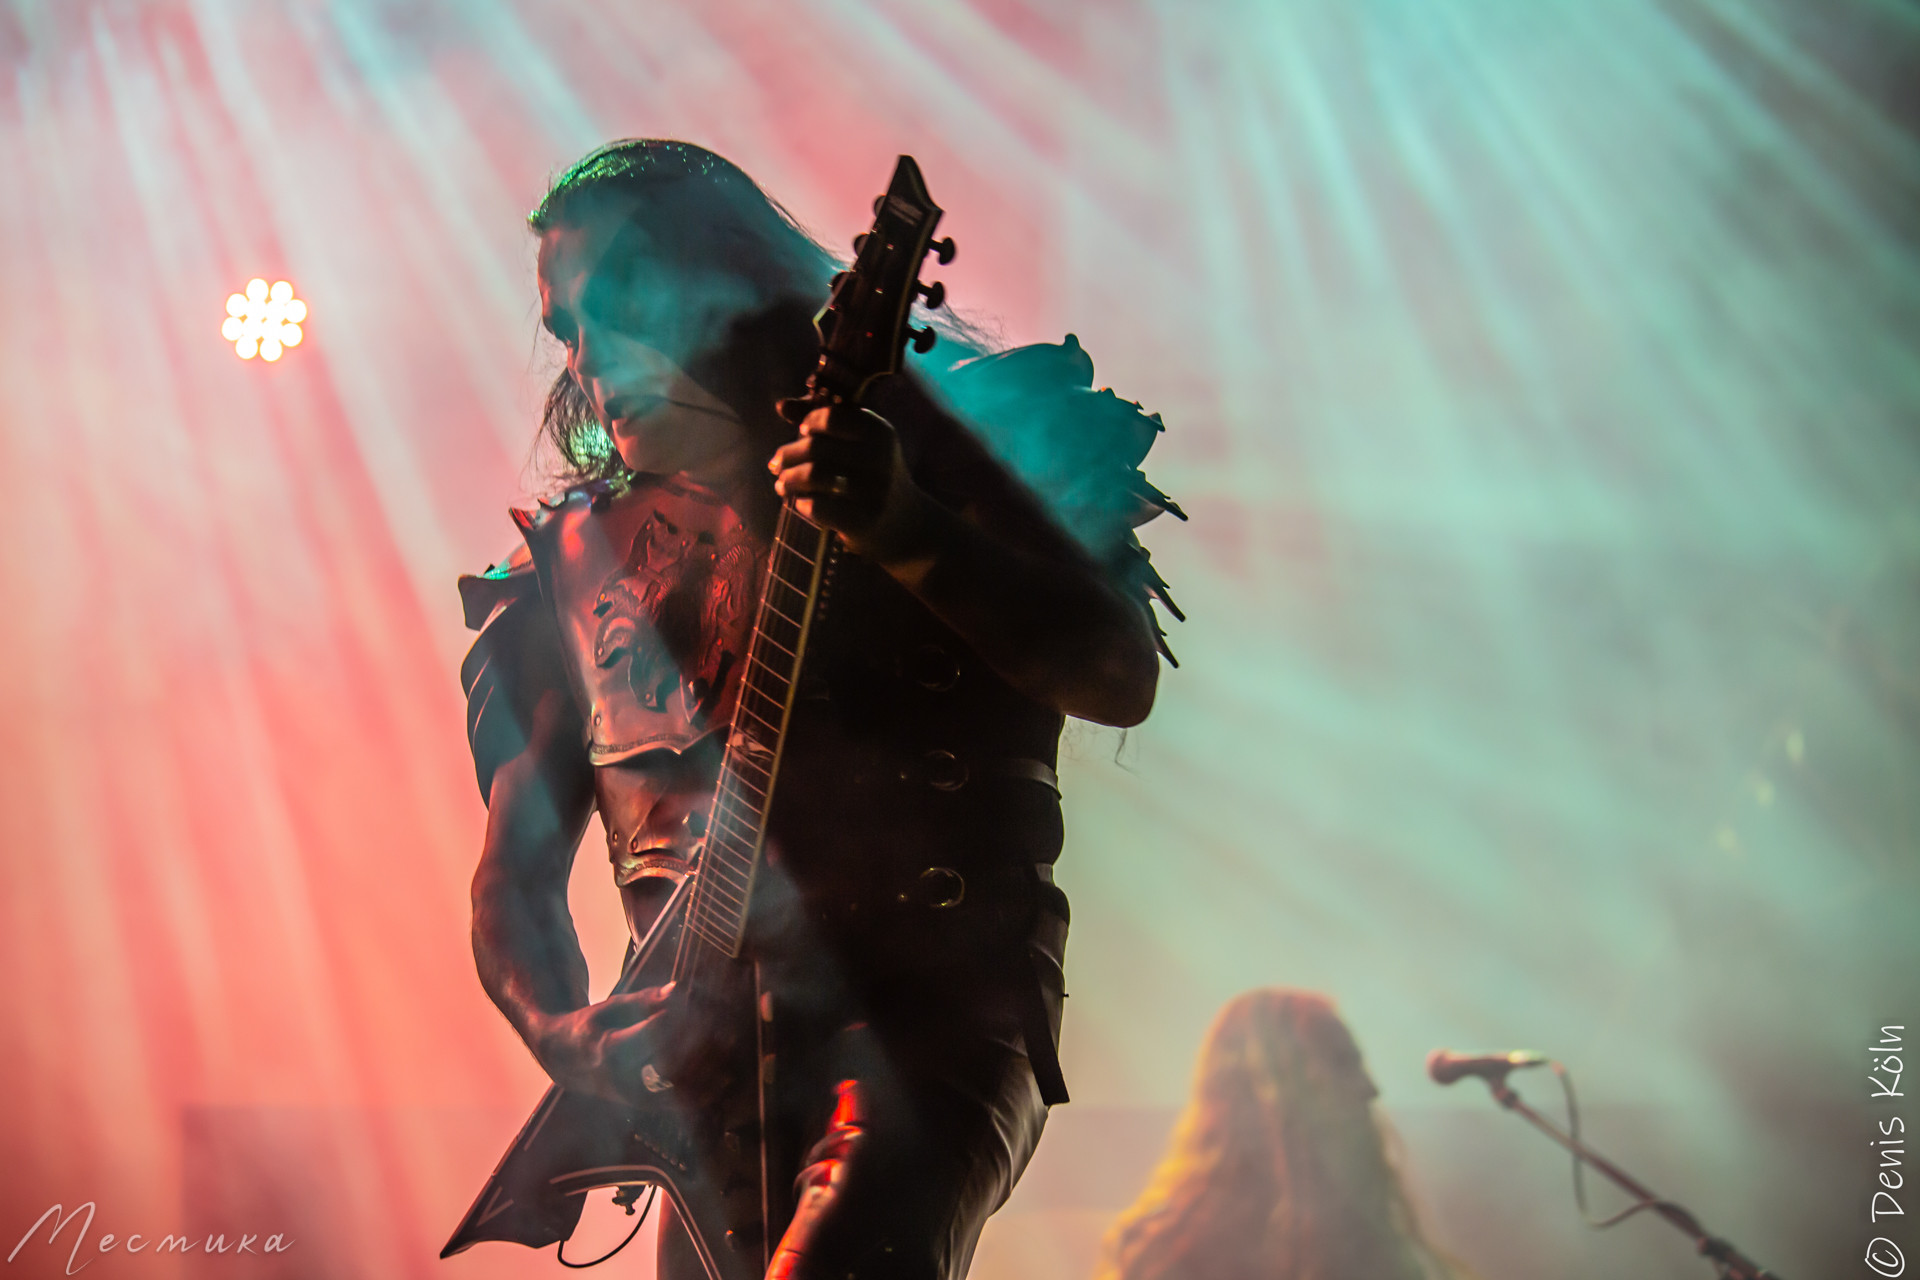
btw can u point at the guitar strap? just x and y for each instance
(1037, 1027)
(1038, 972)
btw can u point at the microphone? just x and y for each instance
(1445, 1066)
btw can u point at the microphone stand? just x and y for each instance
(1733, 1264)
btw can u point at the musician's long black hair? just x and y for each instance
(715, 243)
(742, 272)
(736, 267)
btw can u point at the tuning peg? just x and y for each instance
(935, 294)
(878, 202)
(943, 250)
(860, 241)
(923, 339)
(839, 278)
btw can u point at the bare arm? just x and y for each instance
(524, 942)
(1028, 602)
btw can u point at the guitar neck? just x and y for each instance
(737, 824)
(863, 332)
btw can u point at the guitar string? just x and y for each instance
(718, 899)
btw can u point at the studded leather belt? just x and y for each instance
(943, 888)
(946, 771)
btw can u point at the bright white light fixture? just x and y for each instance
(263, 321)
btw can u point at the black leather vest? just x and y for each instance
(907, 752)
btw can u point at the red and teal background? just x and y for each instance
(1541, 377)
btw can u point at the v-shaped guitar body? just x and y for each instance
(706, 1156)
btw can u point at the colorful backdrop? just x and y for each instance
(1541, 378)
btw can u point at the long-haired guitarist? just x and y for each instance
(1282, 1164)
(905, 921)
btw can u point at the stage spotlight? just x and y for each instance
(263, 321)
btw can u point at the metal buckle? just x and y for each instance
(933, 668)
(944, 771)
(952, 895)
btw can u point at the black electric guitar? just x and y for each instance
(713, 1160)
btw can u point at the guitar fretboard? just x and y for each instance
(737, 825)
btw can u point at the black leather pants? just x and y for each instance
(913, 1120)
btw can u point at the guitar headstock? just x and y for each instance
(863, 328)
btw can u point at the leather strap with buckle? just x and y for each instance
(937, 888)
(947, 771)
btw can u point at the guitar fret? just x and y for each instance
(738, 868)
(720, 900)
(786, 547)
(767, 639)
(730, 822)
(748, 755)
(735, 827)
(708, 934)
(714, 927)
(795, 577)
(740, 864)
(731, 880)
(737, 884)
(752, 687)
(715, 866)
(754, 660)
(790, 585)
(784, 643)
(723, 898)
(701, 930)
(762, 704)
(751, 790)
(772, 615)
(735, 800)
(722, 905)
(715, 934)
(769, 704)
(724, 827)
(742, 810)
(739, 861)
(726, 896)
(778, 675)
(763, 680)
(736, 805)
(744, 747)
(732, 775)
(741, 820)
(733, 877)
(784, 591)
(778, 633)
(757, 716)
(776, 657)
(735, 847)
